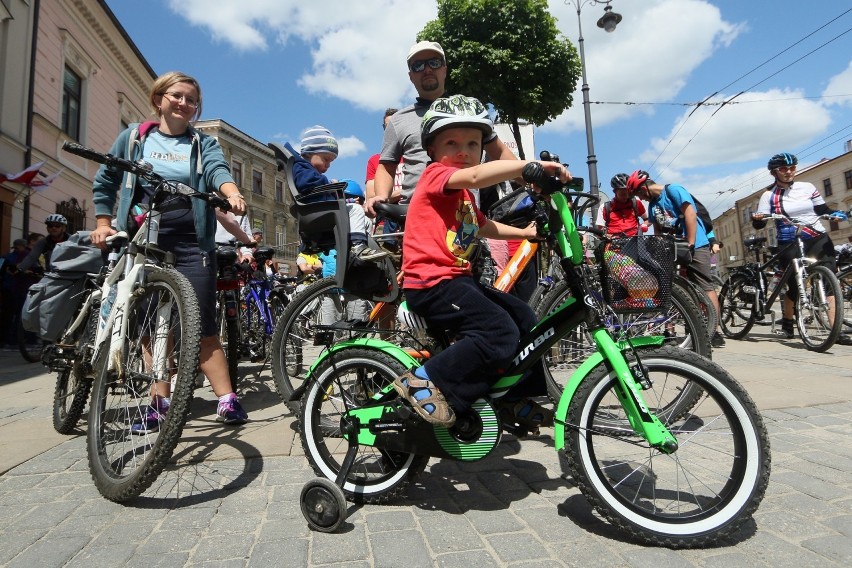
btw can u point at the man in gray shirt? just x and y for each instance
(427, 70)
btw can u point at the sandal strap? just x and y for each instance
(442, 414)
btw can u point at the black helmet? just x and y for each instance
(454, 112)
(618, 181)
(783, 159)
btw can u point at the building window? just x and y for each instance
(257, 182)
(826, 187)
(848, 176)
(72, 95)
(237, 172)
(279, 191)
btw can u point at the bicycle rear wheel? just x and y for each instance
(819, 315)
(74, 382)
(845, 279)
(348, 379)
(693, 497)
(737, 307)
(30, 345)
(164, 326)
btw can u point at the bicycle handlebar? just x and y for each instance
(145, 171)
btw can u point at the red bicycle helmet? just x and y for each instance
(636, 180)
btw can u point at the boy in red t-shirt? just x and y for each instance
(442, 227)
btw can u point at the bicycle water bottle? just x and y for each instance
(106, 305)
(773, 282)
(153, 227)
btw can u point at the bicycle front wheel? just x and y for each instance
(127, 452)
(737, 307)
(229, 337)
(819, 314)
(293, 348)
(700, 493)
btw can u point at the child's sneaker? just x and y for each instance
(366, 254)
(230, 411)
(154, 415)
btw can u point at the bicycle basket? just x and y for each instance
(636, 272)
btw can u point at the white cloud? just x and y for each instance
(719, 193)
(840, 88)
(739, 132)
(357, 50)
(349, 146)
(678, 35)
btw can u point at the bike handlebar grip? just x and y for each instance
(217, 201)
(593, 230)
(82, 151)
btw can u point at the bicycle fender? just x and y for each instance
(580, 375)
(386, 347)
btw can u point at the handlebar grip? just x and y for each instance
(217, 201)
(594, 230)
(80, 150)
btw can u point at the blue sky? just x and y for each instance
(274, 67)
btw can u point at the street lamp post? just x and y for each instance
(608, 22)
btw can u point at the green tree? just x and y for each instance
(508, 54)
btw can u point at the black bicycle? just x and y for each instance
(750, 291)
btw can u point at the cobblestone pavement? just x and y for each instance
(233, 499)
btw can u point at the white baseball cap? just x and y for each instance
(425, 46)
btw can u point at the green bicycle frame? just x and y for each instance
(534, 345)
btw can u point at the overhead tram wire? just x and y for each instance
(697, 132)
(671, 139)
(824, 142)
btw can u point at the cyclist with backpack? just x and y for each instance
(676, 211)
(621, 215)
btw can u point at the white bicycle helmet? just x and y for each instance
(56, 218)
(454, 112)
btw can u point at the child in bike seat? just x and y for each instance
(446, 223)
(318, 150)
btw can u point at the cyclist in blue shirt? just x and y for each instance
(673, 210)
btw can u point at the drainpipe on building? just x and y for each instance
(28, 156)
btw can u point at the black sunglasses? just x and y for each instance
(419, 65)
(53, 225)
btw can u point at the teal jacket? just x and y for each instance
(210, 171)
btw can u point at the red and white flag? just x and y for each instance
(39, 183)
(24, 177)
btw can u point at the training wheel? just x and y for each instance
(323, 505)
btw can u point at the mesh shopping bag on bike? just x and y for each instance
(52, 301)
(636, 272)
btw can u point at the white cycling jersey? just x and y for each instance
(797, 202)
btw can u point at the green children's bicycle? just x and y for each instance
(664, 443)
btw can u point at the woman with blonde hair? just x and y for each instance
(176, 151)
